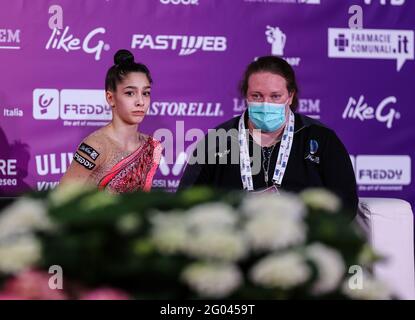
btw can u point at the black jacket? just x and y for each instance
(329, 167)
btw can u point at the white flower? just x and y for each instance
(330, 267)
(24, 215)
(169, 231)
(170, 240)
(19, 254)
(271, 231)
(371, 289)
(319, 198)
(174, 218)
(285, 203)
(216, 244)
(212, 280)
(67, 192)
(211, 215)
(128, 223)
(284, 271)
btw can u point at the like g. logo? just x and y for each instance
(62, 38)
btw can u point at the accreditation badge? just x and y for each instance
(273, 189)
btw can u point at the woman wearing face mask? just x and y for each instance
(289, 151)
(117, 157)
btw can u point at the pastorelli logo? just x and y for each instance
(65, 40)
(371, 44)
(185, 109)
(184, 44)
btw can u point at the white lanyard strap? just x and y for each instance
(282, 159)
(245, 163)
(284, 152)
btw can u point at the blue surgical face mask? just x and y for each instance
(267, 116)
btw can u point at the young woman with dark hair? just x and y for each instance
(118, 157)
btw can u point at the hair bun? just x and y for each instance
(123, 57)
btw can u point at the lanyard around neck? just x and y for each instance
(282, 159)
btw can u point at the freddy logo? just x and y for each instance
(45, 104)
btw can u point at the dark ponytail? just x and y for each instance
(123, 65)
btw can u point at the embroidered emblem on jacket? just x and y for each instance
(221, 154)
(313, 150)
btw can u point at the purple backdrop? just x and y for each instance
(54, 56)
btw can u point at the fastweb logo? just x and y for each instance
(184, 44)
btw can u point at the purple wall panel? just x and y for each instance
(51, 93)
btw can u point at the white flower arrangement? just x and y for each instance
(212, 280)
(318, 198)
(170, 240)
(129, 223)
(19, 253)
(330, 267)
(196, 234)
(273, 231)
(217, 245)
(286, 203)
(212, 215)
(169, 232)
(203, 241)
(169, 219)
(285, 271)
(24, 215)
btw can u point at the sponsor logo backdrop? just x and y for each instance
(55, 54)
